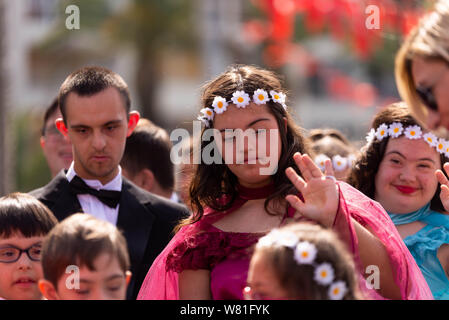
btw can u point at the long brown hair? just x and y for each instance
(212, 181)
(364, 171)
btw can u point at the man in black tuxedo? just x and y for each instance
(96, 119)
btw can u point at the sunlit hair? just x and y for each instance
(428, 40)
(364, 171)
(298, 279)
(212, 181)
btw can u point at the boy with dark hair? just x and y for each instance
(95, 106)
(24, 222)
(84, 258)
(146, 160)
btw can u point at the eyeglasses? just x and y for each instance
(11, 254)
(427, 97)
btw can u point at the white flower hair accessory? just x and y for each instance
(305, 253)
(415, 132)
(339, 163)
(241, 99)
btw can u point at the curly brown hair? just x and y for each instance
(212, 181)
(365, 169)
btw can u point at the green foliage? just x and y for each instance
(31, 170)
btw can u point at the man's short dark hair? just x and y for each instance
(88, 81)
(51, 109)
(148, 147)
(24, 214)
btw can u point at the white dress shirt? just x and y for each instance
(91, 204)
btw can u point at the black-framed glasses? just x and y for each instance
(10, 254)
(427, 97)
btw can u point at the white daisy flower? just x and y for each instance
(351, 159)
(204, 120)
(284, 106)
(413, 132)
(441, 145)
(305, 253)
(431, 139)
(278, 97)
(260, 96)
(219, 104)
(287, 239)
(370, 136)
(339, 163)
(337, 290)
(266, 241)
(382, 132)
(240, 99)
(395, 129)
(324, 274)
(446, 152)
(208, 113)
(320, 159)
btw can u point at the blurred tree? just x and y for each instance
(148, 27)
(3, 153)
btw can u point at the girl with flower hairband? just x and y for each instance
(331, 144)
(234, 204)
(301, 261)
(401, 169)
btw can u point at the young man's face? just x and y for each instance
(98, 126)
(107, 282)
(57, 149)
(18, 280)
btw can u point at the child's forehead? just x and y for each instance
(19, 240)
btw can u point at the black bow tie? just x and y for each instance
(108, 197)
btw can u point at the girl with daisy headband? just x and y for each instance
(233, 205)
(400, 167)
(301, 261)
(333, 145)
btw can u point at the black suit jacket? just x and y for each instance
(146, 220)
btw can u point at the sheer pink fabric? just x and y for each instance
(162, 284)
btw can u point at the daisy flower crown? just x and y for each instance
(339, 163)
(304, 253)
(241, 99)
(413, 132)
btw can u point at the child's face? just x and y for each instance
(263, 281)
(253, 160)
(405, 180)
(18, 280)
(107, 282)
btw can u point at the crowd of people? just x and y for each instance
(278, 214)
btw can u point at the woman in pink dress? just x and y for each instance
(267, 181)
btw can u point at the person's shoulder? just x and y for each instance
(162, 207)
(51, 189)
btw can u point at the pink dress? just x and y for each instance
(227, 254)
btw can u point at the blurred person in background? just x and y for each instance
(146, 161)
(57, 149)
(333, 145)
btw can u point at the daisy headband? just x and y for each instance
(241, 99)
(339, 163)
(304, 253)
(414, 132)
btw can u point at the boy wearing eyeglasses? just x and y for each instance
(24, 222)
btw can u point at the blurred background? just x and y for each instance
(336, 58)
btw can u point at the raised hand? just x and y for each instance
(319, 190)
(444, 194)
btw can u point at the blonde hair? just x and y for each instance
(429, 40)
